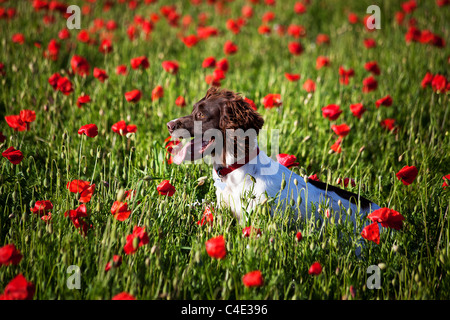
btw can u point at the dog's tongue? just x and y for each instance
(189, 152)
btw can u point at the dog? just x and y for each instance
(244, 175)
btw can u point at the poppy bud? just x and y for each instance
(135, 243)
(382, 265)
(120, 195)
(349, 211)
(339, 203)
(283, 184)
(296, 182)
(305, 178)
(299, 200)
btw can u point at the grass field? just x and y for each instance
(413, 262)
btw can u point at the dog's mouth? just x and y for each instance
(191, 150)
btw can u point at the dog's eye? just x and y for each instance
(200, 115)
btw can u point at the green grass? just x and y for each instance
(174, 264)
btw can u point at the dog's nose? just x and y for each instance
(171, 126)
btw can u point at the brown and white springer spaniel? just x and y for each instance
(241, 170)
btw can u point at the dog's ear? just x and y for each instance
(236, 113)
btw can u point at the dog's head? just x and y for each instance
(213, 120)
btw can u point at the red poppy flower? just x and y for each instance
(264, 29)
(369, 84)
(157, 92)
(344, 75)
(299, 236)
(9, 255)
(90, 130)
(372, 66)
(315, 269)
(14, 156)
(170, 66)
(229, 47)
(295, 48)
(222, 65)
(352, 18)
(296, 31)
(84, 188)
(299, 7)
(439, 83)
(248, 231)
(215, 247)
(180, 101)
(116, 262)
(53, 80)
(204, 32)
(165, 188)
(388, 124)
(251, 103)
(233, 26)
(385, 101)
(121, 70)
(341, 130)
(83, 36)
(322, 39)
(314, 177)
(446, 181)
(76, 216)
(80, 65)
(321, 62)
(83, 100)
(268, 16)
(123, 296)
(105, 46)
(370, 43)
(247, 11)
(140, 63)
(332, 111)
(190, 41)
(336, 147)
(2, 69)
(120, 210)
(16, 123)
(345, 182)
(407, 174)
(52, 51)
(357, 109)
(64, 34)
(207, 217)
(309, 85)
(64, 85)
(18, 38)
(43, 208)
(18, 289)
(371, 233)
(292, 76)
(132, 245)
(388, 218)
(409, 6)
(100, 74)
(287, 160)
(253, 279)
(209, 62)
(272, 100)
(133, 95)
(122, 128)
(427, 80)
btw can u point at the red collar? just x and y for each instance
(223, 171)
